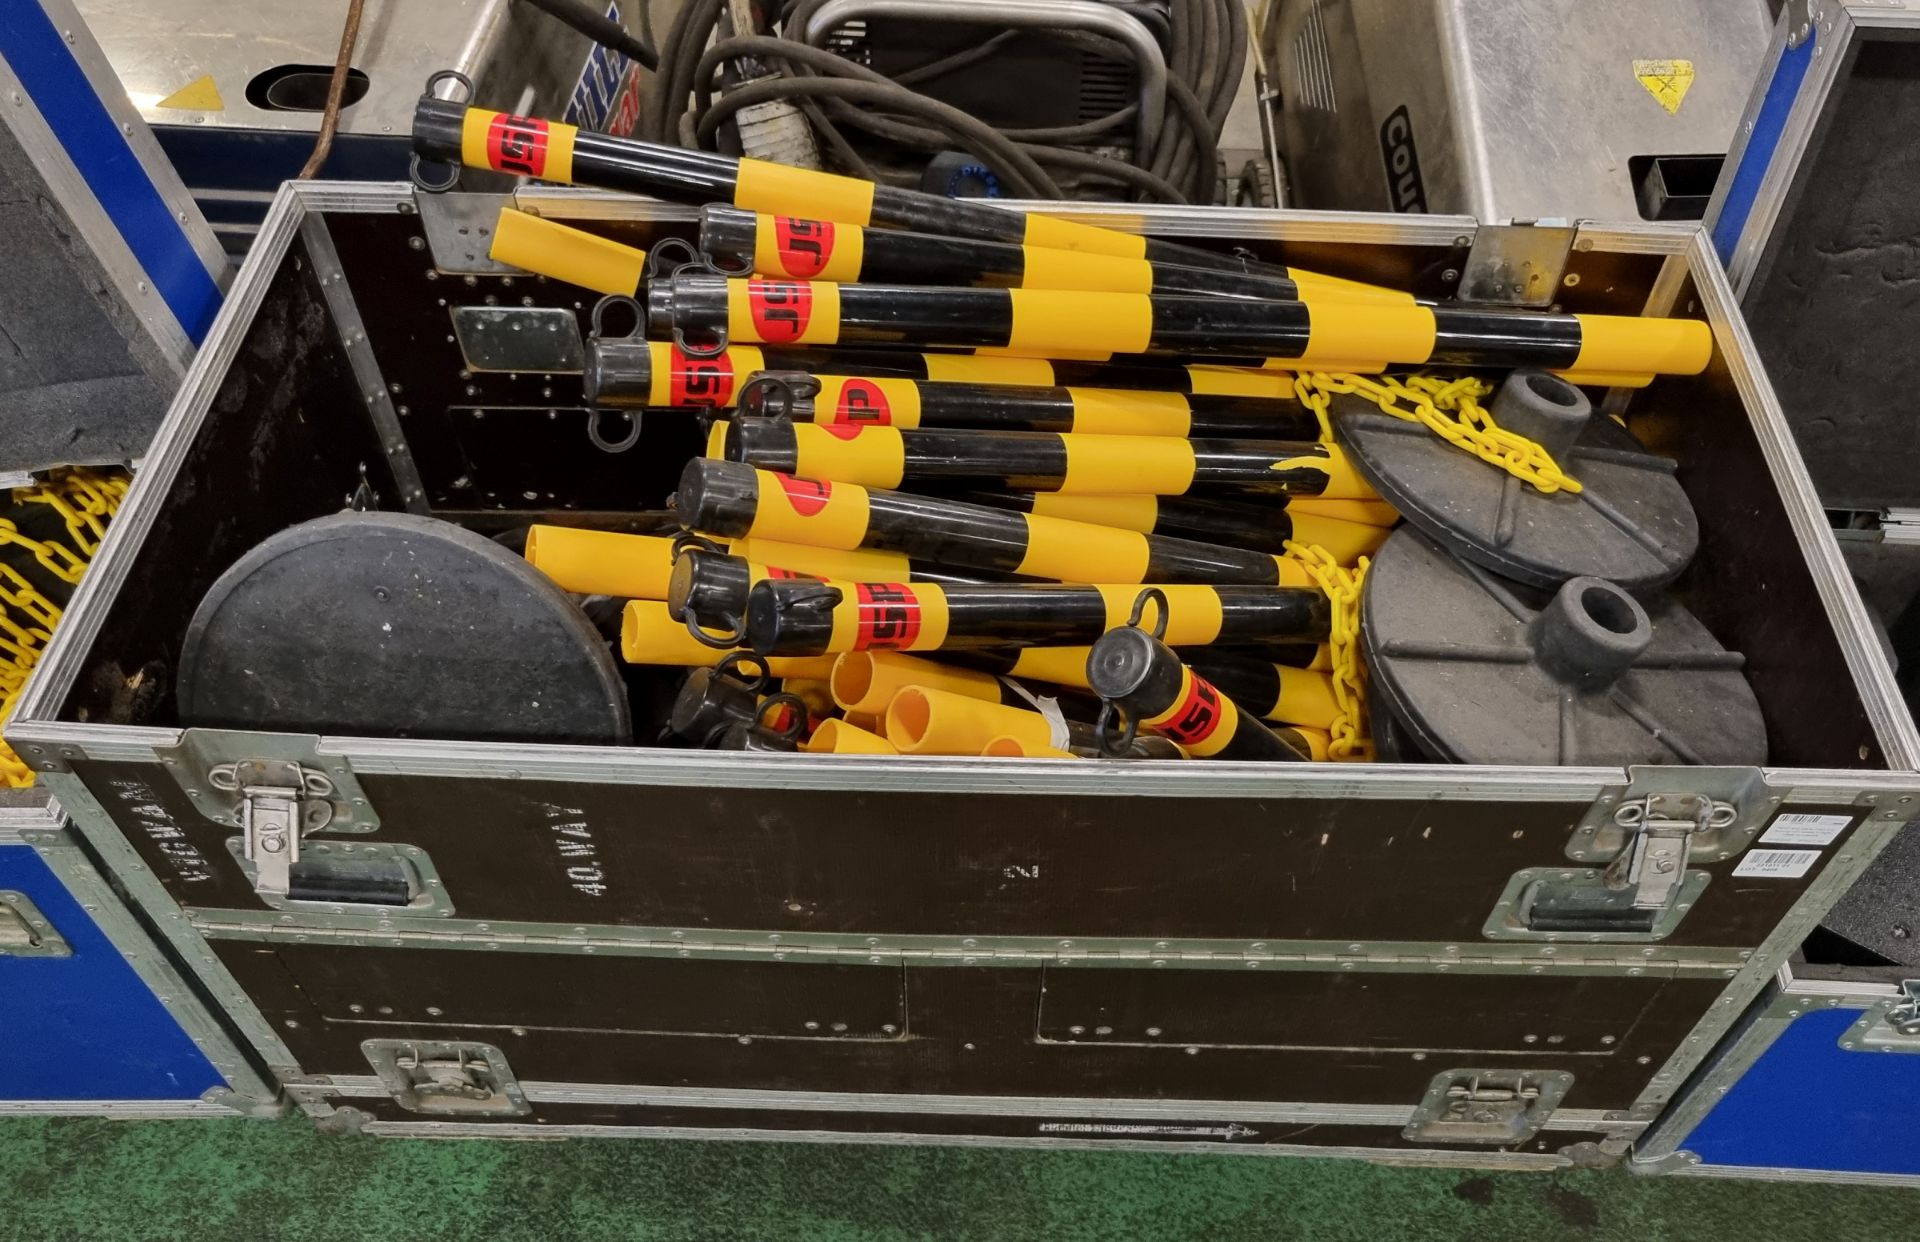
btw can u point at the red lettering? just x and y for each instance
(807, 496)
(889, 616)
(517, 144)
(805, 245)
(699, 381)
(780, 309)
(1198, 715)
(862, 402)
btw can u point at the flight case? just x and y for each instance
(1321, 958)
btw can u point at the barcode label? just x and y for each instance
(1800, 829)
(1777, 864)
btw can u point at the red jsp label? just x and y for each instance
(699, 381)
(1197, 716)
(807, 496)
(805, 245)
(889, 616)
(518, 144)
(780, 309)
(862, 402)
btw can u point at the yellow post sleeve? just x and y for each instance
(1094, 273)
(862, 401)
(649, 636)
(1050, 320)
(574, 255)
(1193, 612)
(850, 565)
(1217, 738)
(890, 617)
(875, 725)
(1620, 343)
(1372, 512)
(1306, 698)
(924, 721)
(1347, 541)
(1055, 234)
(783, 312)
(1122, 465)
(988, 369)
(864, 682)
(784, 191)
(598, 562)
(1007, 746)
(1607, 379)
(1063, 666)
(717, 440)
(521, 146)
(807, 511)
(1213, 381)
(837, 737)
(1318, 286)
(796, 248)
(868, 455)
(1292, 573)
(1120, 512)
(1117, 412)
(1339, 331)
(1318, 742)
(1082, 552)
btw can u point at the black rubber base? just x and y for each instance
(1632, 524)
(1471, 674)
(389, 625)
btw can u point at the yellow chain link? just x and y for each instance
(1352, 741)
(1450, 408)
(84, 499)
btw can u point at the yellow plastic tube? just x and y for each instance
(563, 253)
(864, 682)
(1317, 741)
(1008, 747)
(812, 691)
(848, 565)
(599, 562)
(873, 723)
(649, 636)
(837, 737)
(1369, 512)
(923, 721)
(1306, 698)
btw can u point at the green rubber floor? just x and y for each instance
(104, 1181)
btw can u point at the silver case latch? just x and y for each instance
(1487, 1106)
(280, 802)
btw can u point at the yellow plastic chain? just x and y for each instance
(84, 499)
(1450, 408)
(1351, 740)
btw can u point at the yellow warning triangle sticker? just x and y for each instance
(1666, 80)
(199, 95)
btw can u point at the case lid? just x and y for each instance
(1821, 239)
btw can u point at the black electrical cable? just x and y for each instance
(599, 28)
(982, 140)
(1206, 52)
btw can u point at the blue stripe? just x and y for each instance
(45, 65)
(1758, 157)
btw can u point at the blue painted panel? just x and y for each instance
(1757, 158)
(85, 1027)
(1810, 1104)
(45, 65)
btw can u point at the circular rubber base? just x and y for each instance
(1631, 524)
(391, 625)
(1455, 655)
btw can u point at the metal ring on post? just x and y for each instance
(715, 350)
(414, 162)
(1140, 602)
(600, 309)
(719, 642)
(1092, 15)
(729, 666)
(796, 727)
(1110, 743)
(682, 250)
(613, 446)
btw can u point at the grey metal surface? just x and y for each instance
(1088, 15)
(158, 47)
(1569, 954)
(89, 350)
(1517, 109)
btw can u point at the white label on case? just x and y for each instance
(1777, 864)
(1798, 829)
